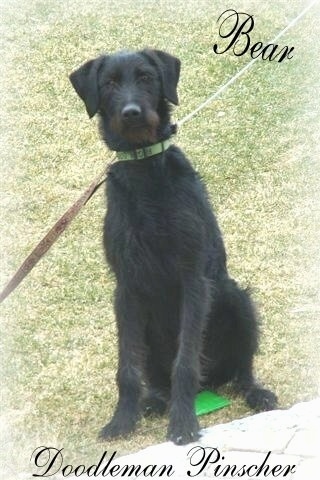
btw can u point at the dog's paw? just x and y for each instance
(184, 432)
(261, 399)
(117, 428)
(153, 405)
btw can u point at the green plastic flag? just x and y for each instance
(207, 402)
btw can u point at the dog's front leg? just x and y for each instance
(131, 323)
(183, 424)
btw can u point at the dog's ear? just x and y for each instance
(85, 83)
(169, 69)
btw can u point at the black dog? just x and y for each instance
(183, 323)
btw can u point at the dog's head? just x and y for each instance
(130, 90)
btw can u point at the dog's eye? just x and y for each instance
(144, 77)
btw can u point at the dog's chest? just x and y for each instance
(151, 229)
(141, 224)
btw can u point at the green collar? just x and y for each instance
(145, 152)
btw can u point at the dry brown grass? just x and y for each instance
(258, 150)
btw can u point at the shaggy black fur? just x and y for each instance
(183, 323)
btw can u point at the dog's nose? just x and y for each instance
(131, 112)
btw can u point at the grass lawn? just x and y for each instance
(257, 148)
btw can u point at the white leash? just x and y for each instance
(245, 68)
